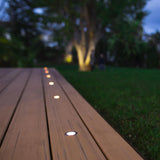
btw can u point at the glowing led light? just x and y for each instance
(56, 97)
(71, 133)
(45, 68)
(46, 71)
(48, 76)
(51, 83)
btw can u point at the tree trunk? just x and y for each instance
(84, 51)
(86, 37)
(84, 67)
(91, 50)
(81, 58)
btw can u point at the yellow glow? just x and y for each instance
(68, 58)
(46, 71)
(87, 62)
(80, 56)
(48, 76)
(56, 97)
(51, 83)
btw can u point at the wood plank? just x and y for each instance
(62, 118)
(9, 99)
(111, 143)
(5, 81)
(27, 137)
(4, 72)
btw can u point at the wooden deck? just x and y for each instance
(35, 116)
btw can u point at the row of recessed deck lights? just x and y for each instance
(51, 83)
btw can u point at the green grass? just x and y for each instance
(129, 99)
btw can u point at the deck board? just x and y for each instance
(33, 124)
(27, 137)
(9, 99)
(111, 143)
(4, 72)
(7, 80)
(62, 118)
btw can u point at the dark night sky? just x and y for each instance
(152, 21)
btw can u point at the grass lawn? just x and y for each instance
(129, 99)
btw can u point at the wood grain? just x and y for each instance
(8, 79)
(9, 99)
(27, 137)
(4, 72)
(111, 143)
(62, 118)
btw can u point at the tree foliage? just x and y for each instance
(82, 25)
(119, 21)
(23, 43)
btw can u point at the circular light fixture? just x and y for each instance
(45, 68)
(48, 76)
(56, 97)
(46, 71)
(71, 133)
(51, 83)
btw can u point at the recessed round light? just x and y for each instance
(46, 71)
(71, 133)
(56, 97)
(45, 68)
(48, 76)
(51, 83)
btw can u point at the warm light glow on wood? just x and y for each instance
(46, 71)
(51, 83)
(56, 97)
(48, 76)
(45, 68)
(71, 133)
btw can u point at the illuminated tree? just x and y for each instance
(88, 20)
(87, 35)
(80, 24)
